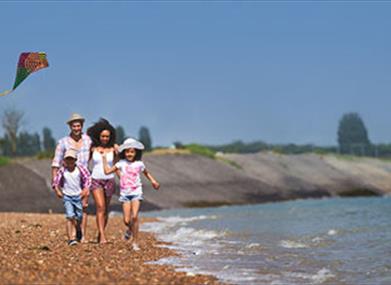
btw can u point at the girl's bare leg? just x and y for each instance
(135, 206)
(126, 209)
(100, 204)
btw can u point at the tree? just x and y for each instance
(12, 121)
(120, 134)
(353, 135)
(28, 144)
(178, 145)
(49, 142)
(145, 138)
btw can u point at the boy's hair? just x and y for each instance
(95, 130)
(138, 156)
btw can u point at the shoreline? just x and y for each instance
(33, 249)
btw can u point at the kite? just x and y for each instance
(29, 62)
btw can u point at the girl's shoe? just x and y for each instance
(135, 247)
(72, 242)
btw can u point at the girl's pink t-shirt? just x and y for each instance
(130, 180)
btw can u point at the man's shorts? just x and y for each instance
(129, 198)
(73, 207)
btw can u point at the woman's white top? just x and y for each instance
(97, 165)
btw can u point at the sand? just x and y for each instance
(33, 249)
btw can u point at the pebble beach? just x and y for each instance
(33, 249)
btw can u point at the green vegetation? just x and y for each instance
(4, 160)
(353, 135)
(241, 147)
(145, 137)
(45, 155)
(119, 135)
(201, 150)
(230, 162)
(345, 157)
(359, 192)
(49, 143)
(257, 146)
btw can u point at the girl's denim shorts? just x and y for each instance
(129, 198)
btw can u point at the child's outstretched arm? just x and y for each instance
(154, 182)
(106, 168)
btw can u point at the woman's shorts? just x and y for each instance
(73, 207)
(129, 198)
(108, 186)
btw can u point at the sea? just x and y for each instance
(324, 241)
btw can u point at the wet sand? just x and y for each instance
(33, 249)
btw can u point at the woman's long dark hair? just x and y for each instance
(95, 130)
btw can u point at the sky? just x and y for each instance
(203, 72)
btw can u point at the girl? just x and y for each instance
(102, 135)
(131, 193)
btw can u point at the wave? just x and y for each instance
(292, 244)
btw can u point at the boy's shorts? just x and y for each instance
(129, 198)
(73, 207)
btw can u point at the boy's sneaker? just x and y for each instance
(72, 242)
(127, 235)
(79, 234)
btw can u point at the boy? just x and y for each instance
(72, 183)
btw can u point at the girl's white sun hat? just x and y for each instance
(130, 143)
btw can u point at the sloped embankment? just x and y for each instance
(308, 173)
(22, 190)
(191, 180)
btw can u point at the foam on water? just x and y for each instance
(295, 242)
(292, 244)
(319, 277)
(332, 232)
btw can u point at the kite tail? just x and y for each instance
(5, 93)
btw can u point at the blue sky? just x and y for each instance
(282, 72)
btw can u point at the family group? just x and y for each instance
(87, 163)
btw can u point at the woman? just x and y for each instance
(102, 134)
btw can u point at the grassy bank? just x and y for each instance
(4, 160)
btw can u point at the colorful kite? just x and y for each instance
(29, 62)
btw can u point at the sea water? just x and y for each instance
(326, 241)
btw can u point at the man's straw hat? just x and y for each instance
(75, 117)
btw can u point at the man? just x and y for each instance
(81, 143)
